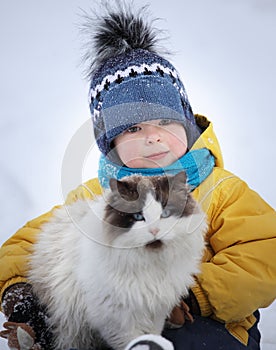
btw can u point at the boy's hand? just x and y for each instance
(27, 319)
(20, 336)
(184, 311)
(179, 315)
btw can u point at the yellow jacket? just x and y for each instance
(238, 273)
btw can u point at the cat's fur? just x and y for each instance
(99, 269)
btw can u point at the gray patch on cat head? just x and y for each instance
(128, 196)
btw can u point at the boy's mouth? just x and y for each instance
(158, 155)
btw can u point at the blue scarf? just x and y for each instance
(198, 165)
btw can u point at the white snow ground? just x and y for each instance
(225, 52)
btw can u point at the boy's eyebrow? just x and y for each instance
(151, 121)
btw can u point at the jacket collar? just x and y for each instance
(208, 139)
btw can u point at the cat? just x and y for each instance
(113, 268)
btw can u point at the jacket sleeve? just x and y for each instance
(15, 252)
(240, 277)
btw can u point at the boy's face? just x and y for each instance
(152, 144)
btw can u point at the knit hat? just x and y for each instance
(130, 82)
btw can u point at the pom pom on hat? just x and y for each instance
(130, 82)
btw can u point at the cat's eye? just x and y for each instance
(138, 217)
(165, 213)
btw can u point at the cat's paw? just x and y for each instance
(19, 336)
(150, 342)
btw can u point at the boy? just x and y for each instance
(143, 123)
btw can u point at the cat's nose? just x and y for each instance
(154, 231)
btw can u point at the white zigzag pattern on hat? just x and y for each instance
(125, 73)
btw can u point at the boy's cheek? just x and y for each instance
(126, 156)
(128, 151)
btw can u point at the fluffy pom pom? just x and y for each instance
(115, 31)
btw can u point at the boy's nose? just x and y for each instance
(153, 140)
(153, 135)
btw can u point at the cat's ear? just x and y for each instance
(113, 184)
(178, 182)
(179, 179)
(117, 186)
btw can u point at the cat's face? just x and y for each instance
(147, 211)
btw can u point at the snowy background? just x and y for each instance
(224, 50)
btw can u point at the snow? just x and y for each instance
(224, 52)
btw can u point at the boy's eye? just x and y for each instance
(165, 122)
(138, 217)
(133, 128)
